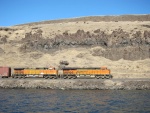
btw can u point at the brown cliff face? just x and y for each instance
(116, 45)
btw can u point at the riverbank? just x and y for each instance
(116, 84)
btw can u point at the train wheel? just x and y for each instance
(70, 77)
(97, 76)
(45, 76)
(53, 77)
(107, 76)
(74, 77)
(102, 77)
(50, 77)
(65, 76)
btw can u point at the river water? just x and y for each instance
(76, 101)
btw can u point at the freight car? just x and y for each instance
(52, 73)
(5, 72)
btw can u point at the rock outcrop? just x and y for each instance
(119, 44)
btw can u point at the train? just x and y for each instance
(53, 73)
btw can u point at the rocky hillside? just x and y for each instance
(117, 45)
(87, 41)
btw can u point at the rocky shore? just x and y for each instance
(115, 84)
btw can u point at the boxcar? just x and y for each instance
(5, 72)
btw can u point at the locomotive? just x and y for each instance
(52, 73)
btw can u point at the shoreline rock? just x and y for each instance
(83, 84)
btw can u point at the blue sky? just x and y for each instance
(14, 12)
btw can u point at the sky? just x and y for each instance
(13, 12)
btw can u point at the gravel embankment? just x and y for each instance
(120, 84)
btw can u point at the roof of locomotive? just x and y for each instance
(75, 68)
(30, 68)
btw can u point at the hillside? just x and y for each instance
(122, 43)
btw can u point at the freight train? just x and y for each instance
(52, 73)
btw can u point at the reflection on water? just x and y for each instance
(42, 100)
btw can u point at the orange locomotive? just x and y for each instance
(37, 72)
(97, 72)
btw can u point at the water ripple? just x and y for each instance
(75, 101)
